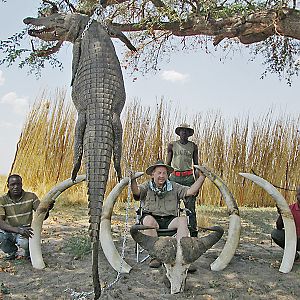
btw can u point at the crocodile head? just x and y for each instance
(58, 27)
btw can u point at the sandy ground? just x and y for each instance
(252, 274)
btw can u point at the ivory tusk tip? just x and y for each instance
(202, 167)
(126, 270)
(39, 267)
(79, 178)
(249, 176)
(284, 271)
(134, 176)
(217, 268)
(138, 174)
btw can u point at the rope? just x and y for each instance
(97, 15)
(77, 295)
(279, 187)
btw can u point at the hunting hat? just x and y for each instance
(184, 126)
(159, 163)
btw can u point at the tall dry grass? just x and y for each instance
(269, 146)
(44, 154)
(2, 183)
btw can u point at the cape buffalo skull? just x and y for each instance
(176, 255)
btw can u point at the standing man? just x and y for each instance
(16, 210)
(278, 234)
(182, 155)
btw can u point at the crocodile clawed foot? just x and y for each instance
(119, 176)
(118, 173)
(75, 171)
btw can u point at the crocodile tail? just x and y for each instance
(98, 145)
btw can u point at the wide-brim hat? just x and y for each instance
(159, 163)
(184, 126)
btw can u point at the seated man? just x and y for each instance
(160, 198)
(16, 210)
(278, 235)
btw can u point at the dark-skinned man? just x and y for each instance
(278, 234)
(182, 155)
(16, 211)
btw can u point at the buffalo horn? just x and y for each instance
(163, 248)
(193, 248)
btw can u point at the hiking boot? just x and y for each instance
(10, 256)
(154, 263)
(25, 257)
(192, 268)
(26, 254)
(193, 232)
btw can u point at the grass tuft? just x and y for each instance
(78, 246)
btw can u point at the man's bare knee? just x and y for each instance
(178, 222)
(150, 221)
(182, 221)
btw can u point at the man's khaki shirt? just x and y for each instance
(18, 213)
(166, 206)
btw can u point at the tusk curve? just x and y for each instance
(288, 220)
(38, 218)
(106, 240)
(234, 230)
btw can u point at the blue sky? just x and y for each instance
(194, 82)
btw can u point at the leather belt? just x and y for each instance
(183, 173)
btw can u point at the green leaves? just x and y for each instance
(14, 52)
(155, 26)
(11, 48)
(281, 56)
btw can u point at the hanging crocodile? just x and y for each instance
(99, 95)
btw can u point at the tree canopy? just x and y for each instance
(158, 27)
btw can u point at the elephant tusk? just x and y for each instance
(234, 230)
(38, 218)
(231, 244)
(288, 220)
(106, 240)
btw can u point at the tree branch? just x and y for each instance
(254, 28)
